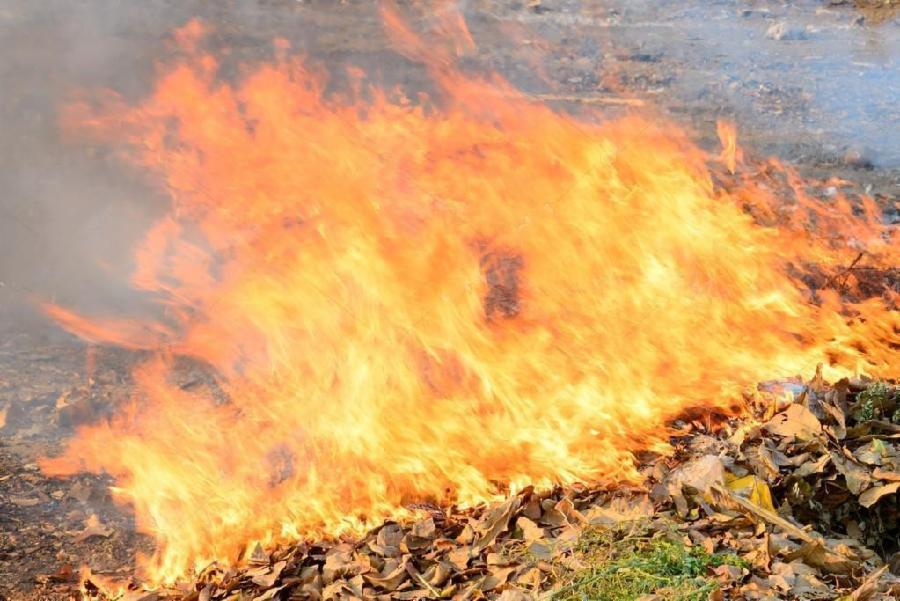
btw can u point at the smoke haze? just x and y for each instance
(70, 210)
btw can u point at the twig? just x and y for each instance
(844, 274)
(431, 589)
(612, 100)
(869, 582)
(766, 515)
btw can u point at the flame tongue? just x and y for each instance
(409, 302)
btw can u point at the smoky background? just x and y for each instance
(71, 209)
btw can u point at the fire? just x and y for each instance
(438, 300)
(731, 154)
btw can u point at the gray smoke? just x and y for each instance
(71, 211)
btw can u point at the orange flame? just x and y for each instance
(437, 300)
(731, 154)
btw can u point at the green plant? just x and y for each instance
(873, 401)
(623, 569)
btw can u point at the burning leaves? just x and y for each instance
(498, 551)
(723, 518)
(442, 301)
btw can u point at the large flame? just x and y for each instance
(437, 300)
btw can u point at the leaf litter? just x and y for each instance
(795, 500)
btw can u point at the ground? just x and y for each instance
(814, 83)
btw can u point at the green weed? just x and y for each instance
(623, 569)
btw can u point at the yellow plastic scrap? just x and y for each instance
(754, 489)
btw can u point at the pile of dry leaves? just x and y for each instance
(802, 493)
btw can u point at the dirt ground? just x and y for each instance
(815, 83)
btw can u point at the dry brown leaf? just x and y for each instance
(783, 576)
(567, 509)
(258, 556)
(551, 516)
(543, 550)
(387, 541)
(569, 534)
(764, 463)
(354, 586)
(460, 558)
(332, 591)
(723, 496)
(809, 586)
(93, 528)
(700, 474)
(701, 540)
(311, 580)
(813, 467)
(531, 577)
(340, 562)
(424, 529)
(794, 422)
(726, 574)
(268, 580)
(839, 430)
(496, 578)
(514, 594)
(872, 453)
(467, 536)
(874, 494)
(392, 576)
(880, 474)
(412, 543)
(532, 509)
(696, 476)
(530, 530)
(269, 594)
(439, 573)
(81, 492)
(744, 433)
(494, 522)
(759, 556)
(857, 477)
(818, 556)
(621, 509)
(440, 547)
